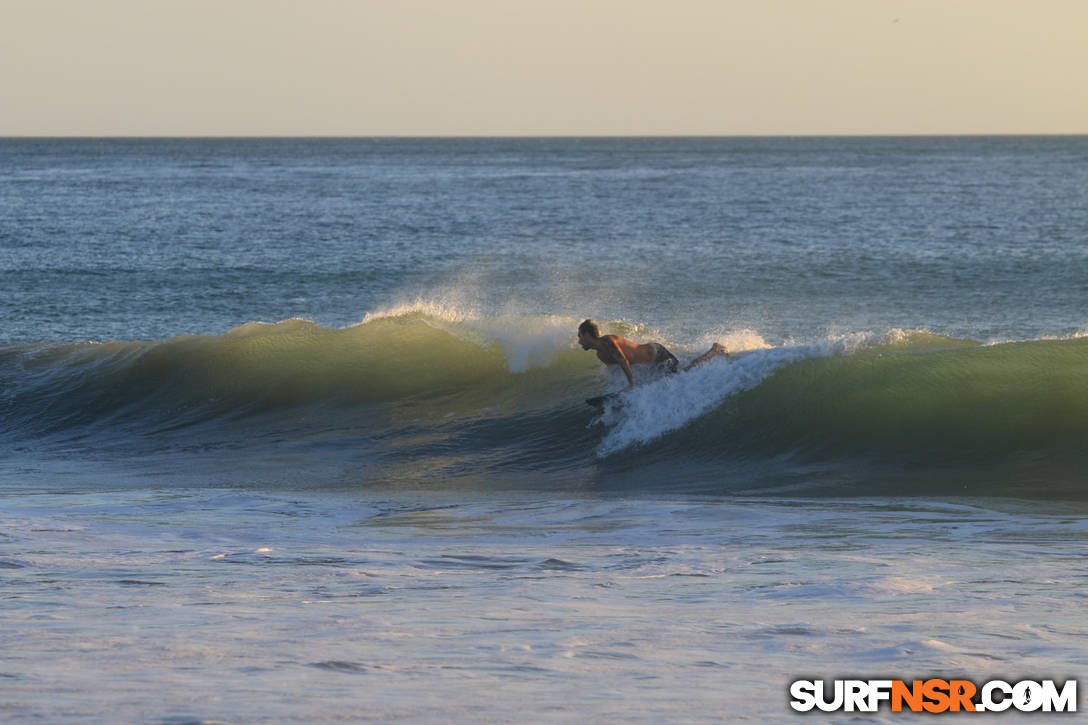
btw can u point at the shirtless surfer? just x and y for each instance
(616, 350)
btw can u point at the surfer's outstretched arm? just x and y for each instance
(716, 350)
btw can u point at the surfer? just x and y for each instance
(616, 350)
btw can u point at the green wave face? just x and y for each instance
(420, 393)
(258, 367)
(926, 401)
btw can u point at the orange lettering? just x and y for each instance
(961, 692)
(937, 692)
(912, 695)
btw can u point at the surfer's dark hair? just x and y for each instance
(589, 327)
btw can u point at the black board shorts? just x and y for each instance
(665, 359)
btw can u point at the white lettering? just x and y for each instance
(855, 695)
(804, 695)
(880, 691)
(1064, 701)
(989, 704)
(1027, 696)
(821, 697)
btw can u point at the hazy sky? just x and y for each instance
(542, 67)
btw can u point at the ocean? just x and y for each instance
(294, 430)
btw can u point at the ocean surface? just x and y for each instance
(293, 430)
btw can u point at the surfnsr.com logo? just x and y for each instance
(933, 695)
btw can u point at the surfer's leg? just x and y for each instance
(716, 350)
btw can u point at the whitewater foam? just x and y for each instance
(671, 402)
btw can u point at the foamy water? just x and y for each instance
(197, 606)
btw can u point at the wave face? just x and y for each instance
(421, 396)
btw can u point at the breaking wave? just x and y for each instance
(418, 391)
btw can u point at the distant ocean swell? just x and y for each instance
(507, 394)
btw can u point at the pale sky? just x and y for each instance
(541, 67)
